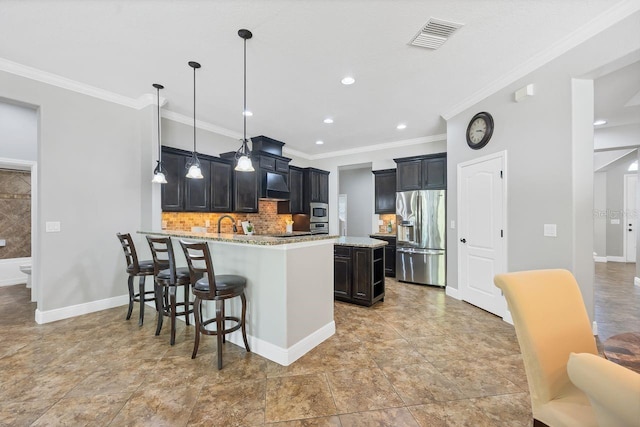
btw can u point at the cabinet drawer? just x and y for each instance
(342, 251)
(282, 166)
(268, 163)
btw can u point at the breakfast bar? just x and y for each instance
(289, 288)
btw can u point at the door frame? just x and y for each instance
(625, 207)
(505, 258)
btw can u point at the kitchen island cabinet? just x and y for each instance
(289, 288)
(389, 252)
(359, 270)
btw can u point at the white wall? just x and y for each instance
(600, 214)
(617, 137)
(358, 186)
(18, 131)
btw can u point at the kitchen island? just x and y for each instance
(289, 288)
(359, 270)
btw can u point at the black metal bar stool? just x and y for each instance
(213, 288)
(139, 269)
(167, 279)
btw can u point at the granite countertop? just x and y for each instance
(264, 240)
(387, 235)
(361, 242)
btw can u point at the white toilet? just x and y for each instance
(26, 269)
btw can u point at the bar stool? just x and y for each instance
(134, 269)
(167, 279)
(216, 288)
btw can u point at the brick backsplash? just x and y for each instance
(385, 220)
(267, 221)
(15, 213)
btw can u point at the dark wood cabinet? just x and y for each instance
(358, 274)
(316, 187)
(173, 191)
(198, 191)
(245, 192)
(221, 186)
(295, 203)
(389, 254)
(385, 191)
(213, 193)
(427, 172)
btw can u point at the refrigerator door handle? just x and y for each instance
(419, 221)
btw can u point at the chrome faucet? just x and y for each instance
(235, 229)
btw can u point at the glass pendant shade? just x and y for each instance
(244, 164)
(194, 171)
(159, 178)
(193, 165)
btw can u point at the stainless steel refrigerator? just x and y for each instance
(421, 240)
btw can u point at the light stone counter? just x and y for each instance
(360, 242)
(289, 288)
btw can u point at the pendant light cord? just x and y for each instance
(194, 111)
(244, 111)
(159, 146)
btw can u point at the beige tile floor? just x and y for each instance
(419, 358)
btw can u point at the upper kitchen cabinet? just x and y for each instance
(296, 193)
(173, 190)
(316, 184)
(427, 172)
(213, 193)
(385, 191)
(245, 192)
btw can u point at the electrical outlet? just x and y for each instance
(207, 223)
(52, 226)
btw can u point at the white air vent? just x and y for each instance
(434, 33)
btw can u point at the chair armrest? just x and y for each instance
(613, 390)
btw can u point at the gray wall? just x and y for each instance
(615, 204)
(600, 214)
(358, 186)
(18, 132)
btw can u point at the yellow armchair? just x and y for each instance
(613, 390)
(551, 322)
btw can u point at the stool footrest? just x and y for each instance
(225, 331)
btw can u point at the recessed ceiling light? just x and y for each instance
(328, 120)
(401, 126)
(247, 113)
(319, 142)
(600, 122)
(348, 80)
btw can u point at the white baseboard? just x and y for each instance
(80, 309)
(453, 292)
(616, 259)
(507, 317)
(636, 281)
(10, 273)
(285, 356)
(600, 258)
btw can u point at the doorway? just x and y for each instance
(481, 231)
(630, 217)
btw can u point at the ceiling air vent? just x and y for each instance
(434, 33)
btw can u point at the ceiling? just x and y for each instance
(300, 51)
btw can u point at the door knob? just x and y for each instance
(463, 240)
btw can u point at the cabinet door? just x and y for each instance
(434, 172)
(385, 193)
(246, 192)
(409, 175)
(362, 280)
(197, 190)
(324, 188)
(319, 187)
(221, 194)
(342, 277)
(173, 190)
(296, 190)
(390, 261)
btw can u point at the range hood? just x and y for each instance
(274, 187)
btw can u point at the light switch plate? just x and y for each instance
(453, 225)
(615, 221)
(52, 226)
(550, 230)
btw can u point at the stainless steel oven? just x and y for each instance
(319, 228)
(319, 212)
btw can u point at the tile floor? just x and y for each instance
(418, 359)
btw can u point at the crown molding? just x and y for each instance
(579, 36)
(181, 118)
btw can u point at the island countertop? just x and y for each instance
(254, 239)
(360, 242)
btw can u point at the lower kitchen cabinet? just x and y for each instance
(358, 274)
(389, 254)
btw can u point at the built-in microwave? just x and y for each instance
(319, 212)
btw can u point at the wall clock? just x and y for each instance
(479, 130)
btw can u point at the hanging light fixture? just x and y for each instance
(193, 165)
(243, 155)
(159, 173)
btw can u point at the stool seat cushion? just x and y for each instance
(225, 284)
(145, 266)
(181, 273)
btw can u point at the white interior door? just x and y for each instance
(481, 242)
(630, 216)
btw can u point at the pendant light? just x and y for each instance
(159, 173)
(243, 155)
(193, 165)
